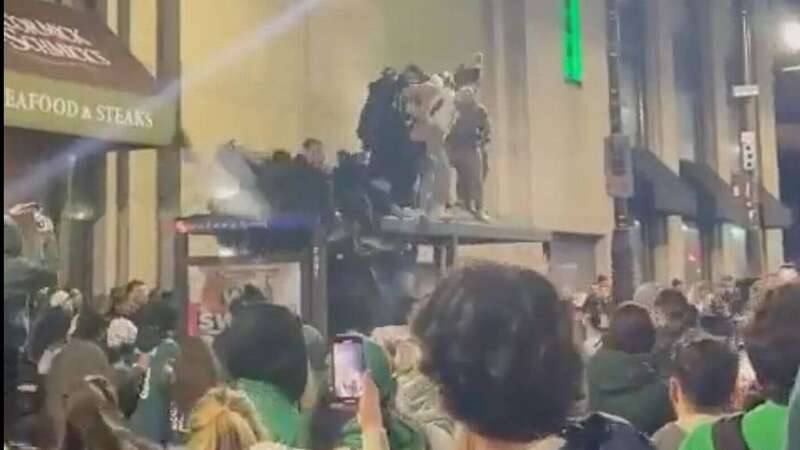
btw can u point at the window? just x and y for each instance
(733, 71)
(688, 79)
(571, 41)
(632, 71)
(737, 238)
(693, 254)
(643, 252)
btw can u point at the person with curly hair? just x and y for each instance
(498, 342)
(265, 354)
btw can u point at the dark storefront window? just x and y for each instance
(688, 79)
(633, 115)
(643, 246)
(694, 253)
(632, 71)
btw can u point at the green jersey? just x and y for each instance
(764, 428)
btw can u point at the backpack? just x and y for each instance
(727, 433)
(600, 431)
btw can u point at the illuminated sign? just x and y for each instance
(572, 58)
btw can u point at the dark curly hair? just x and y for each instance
(772, 341)
(498, 341)
(265, 343)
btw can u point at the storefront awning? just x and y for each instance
(65, 72)
(715, 199)
(659, 189)
(774, 214)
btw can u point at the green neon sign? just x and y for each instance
(572, 57)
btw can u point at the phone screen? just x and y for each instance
(348, 367)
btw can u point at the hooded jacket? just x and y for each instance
(629, 386)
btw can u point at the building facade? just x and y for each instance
(270, 73)
(680, 106)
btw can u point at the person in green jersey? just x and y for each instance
(265, 354)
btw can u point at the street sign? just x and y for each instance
(745, 91)
(619, 166)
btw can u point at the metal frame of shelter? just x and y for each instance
(312, 258)
(444, 236)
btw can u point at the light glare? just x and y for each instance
(791, 36)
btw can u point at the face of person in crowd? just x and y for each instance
(602, 289)
(138, 296)
(133, 302)
(126, 308)
(315, 155)
(788, 274)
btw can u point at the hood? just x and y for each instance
(616, 372)
(380, 369)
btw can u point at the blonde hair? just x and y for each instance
(224, 419)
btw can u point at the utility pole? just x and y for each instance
(168, 74)
(750, 149)
(619, 173)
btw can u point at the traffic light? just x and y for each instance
(749, 154)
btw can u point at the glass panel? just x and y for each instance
(632, 70)
(686, 58)
(693, 253)
(737, 238)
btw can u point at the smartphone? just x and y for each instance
(349, 366)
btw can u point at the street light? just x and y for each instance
(791, 36)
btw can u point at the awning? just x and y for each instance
(65, 72)
(774, 214)
(715, 199)
(659, 189)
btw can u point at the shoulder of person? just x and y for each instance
(699, 439)
(599, 430)
(668, 435)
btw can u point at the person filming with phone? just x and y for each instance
(355, 359)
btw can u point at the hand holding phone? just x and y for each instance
(370, 416)
(349, 367)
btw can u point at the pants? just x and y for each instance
(471, 171)
(434, 186)
(435, 182)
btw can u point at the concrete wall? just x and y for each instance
(311, 80)
(271, 90)
(257, 72)
(719, 122)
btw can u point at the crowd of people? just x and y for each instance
(495, 359)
